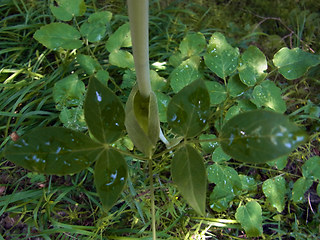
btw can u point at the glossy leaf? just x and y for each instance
(275, 190)
(103, 112)
(189, 174)
(236, 88)
(250, 218)
(58, 35)
(185, 73)
(253, 65)
(88, 64)
(267, 94)
(110, 176)
(73, 118)
(68, 92)
(66, 9)
(293, 63)
(221, 57)
(163, 101)
(311, 168)
(142, 121)
(192, 44)
(53, 150)
(120, 38)
(121, 58)
(259, 136)
(188, 111)
(299, 188)
(217, 92)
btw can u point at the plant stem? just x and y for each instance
(138, 18)
(153, 213)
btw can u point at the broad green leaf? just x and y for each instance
(275, 190)
(208, 147)
(188, 111)
(101, 18)
(189, 174)
(53, 150)
(67, 9)
(120, 38)
(185, 73)
(311, 168)
(88, 64)
(157, 82)
(142, 121)
(248, 183)
(128, 79)
(176, 59)
(250, 218)
(220, 198)
(293, 63)
(217, 92)
(299, 188)
(102, 76)
(253, 65)
(68, 92)
(121, 58)
(103, 112)
(219, 155)
(259, 136)
(279, 163)
(221, 57)
(73, 118)
(267, 94)
(92, 31)
(192, 44)
(110, 176)
(58, 35)
(163, 101)
(235, 87)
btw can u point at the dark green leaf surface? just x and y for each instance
(260, 136)
(121, 58)
(88, 64)
(92, 31)
(275, 190)
(120, 38)
(110, 176)
(192, 44)
(220, 198)
(311, 168)
(189, 174)
(53, 150)
(103, 112)
(73, 118)
(236, 88)
(299, 188)
(293, 63)
(217, 92)
(67, 9)
(56, 35)
(188, 111)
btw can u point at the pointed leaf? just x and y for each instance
(250, 218)
(188, 111)
(53, 150)
(189, 174)
(121, 58)
(120, 38)
(56, 35)
(259, 136)
(253, 65)
(221, 57)
(299, 188)
(311, 168)
(275, 190)
(216, 91)
(88, 64)
(103, 112)
(110, 176)
(66, 9)
(293, 63)
(192, 44)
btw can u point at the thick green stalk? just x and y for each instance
(138, 18)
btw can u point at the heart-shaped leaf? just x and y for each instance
(142, 121)
(103, 112)
(66, 9)
(110, 176)
(275, 191)
(192, 44)
(293, 63)
(259, 136)
(53, 150)
(189, 174)
(56, 35)
(120, 38)
(188, 111)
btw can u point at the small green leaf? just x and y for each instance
(311, 168)
(185, 73)
(101, 18)
(121, 58)
(217, 92)
(250, 218)
(267, 94)
(142, 121)
(66, 9)
(208, 147)
(219, 155)
(73, 118)
(88, 64)
(120, 38)
(163, 101)
(279, 163)
(93, 32)
(53, 150)
(103, 112)
(189, 174)
(110, 176)
(188, 111)
(299, 188)
(248, 183)
(192, 44)
(293, 63)
(235, 87)
(68, 92)
(157, 82)
(220, 198)
(259, 136)
(102, 76)
(253, 65)
(221, 57)
(275, 190)
(318, 189)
